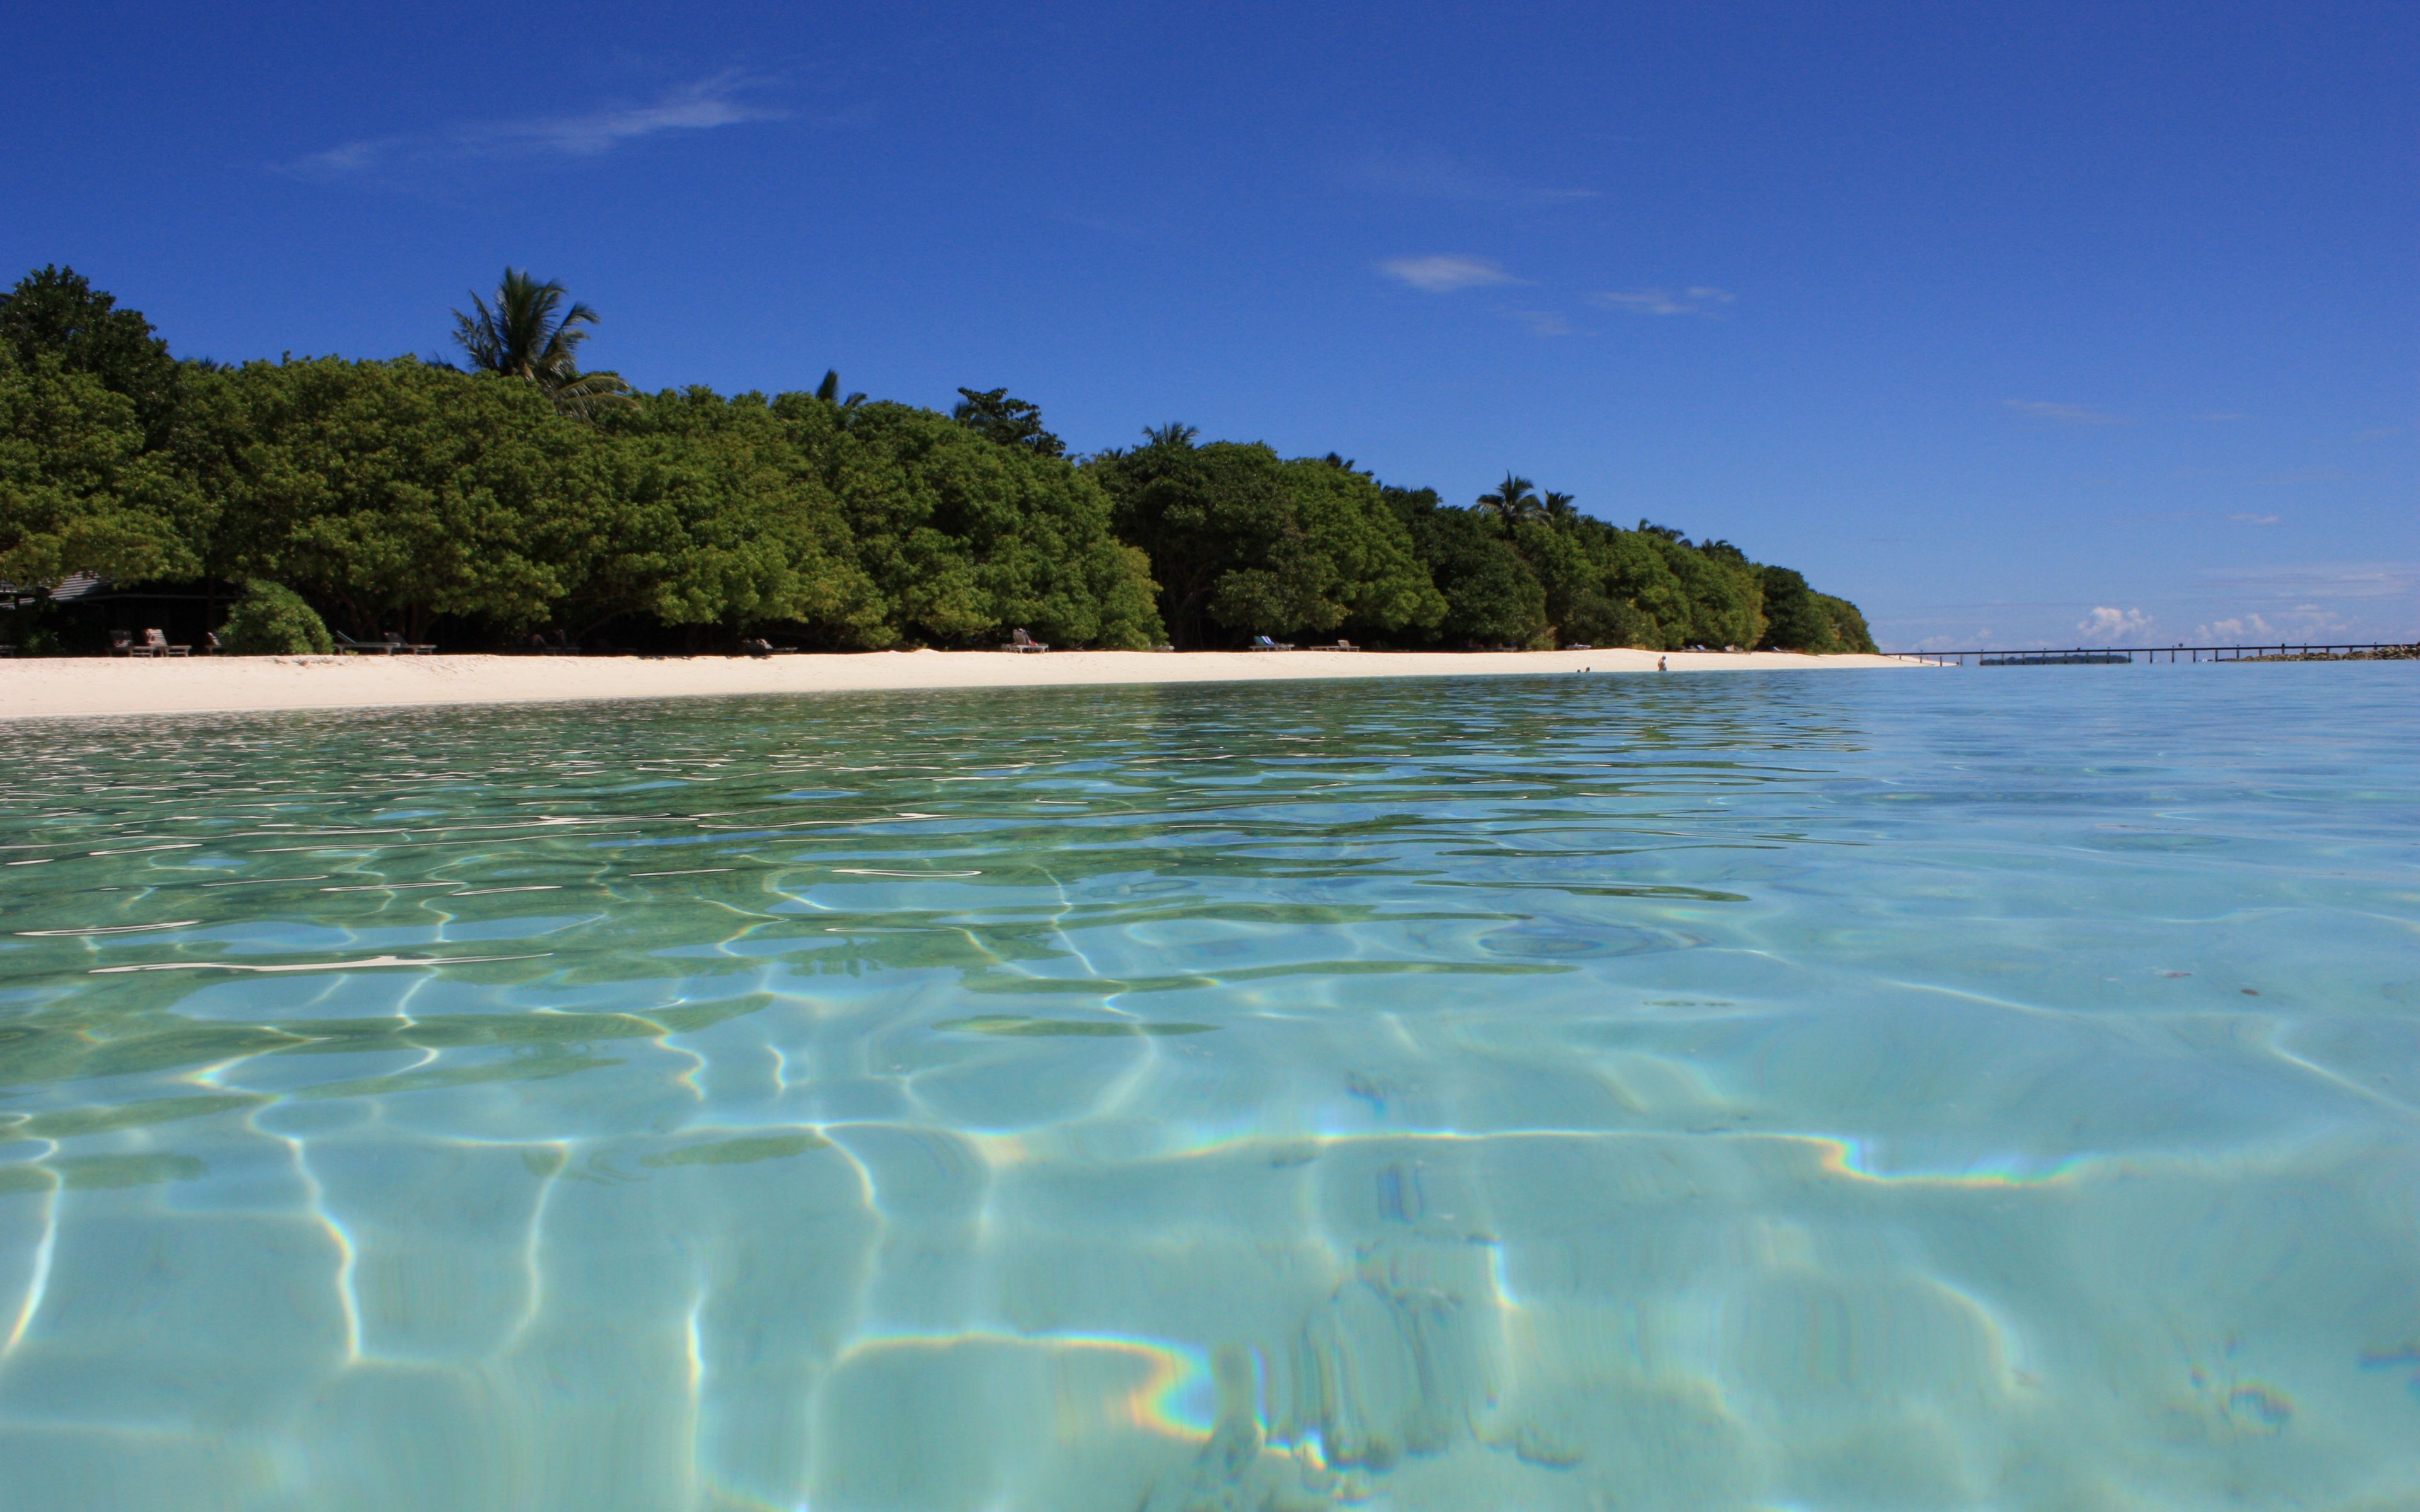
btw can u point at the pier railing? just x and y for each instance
(2127, 655)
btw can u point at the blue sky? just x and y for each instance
(2016, 323)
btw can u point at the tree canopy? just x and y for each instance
(55, 312)
(525, 495)
(79, 490)
(1244, 542)
(1009, 422)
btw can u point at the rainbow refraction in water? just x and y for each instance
(1926, 1089)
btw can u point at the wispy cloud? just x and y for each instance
(2316, 601)
(2234, 628)
(2065, 414)
(1698, 299)
(2227, 415)
(2254, 519)
(1445, 274)
(2305, 622)
(700, 105)
(1543, 322)
(2320, 581)
(1967, 641)
(2105, 623)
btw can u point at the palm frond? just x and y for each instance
(588, 394)
(521, 335)
(1514, 499)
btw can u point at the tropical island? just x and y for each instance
(509, 499)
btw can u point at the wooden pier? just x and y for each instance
(2127, 655)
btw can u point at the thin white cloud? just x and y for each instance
(1543, 322)
(2254, 519)
(2234, 628)
(2327, 581)
(1698, 299)
(1966, 641)
(2227, 415)
(2065, 414)
(2105, 623)
(700, 105)
(1445, 274)
(2304, 624)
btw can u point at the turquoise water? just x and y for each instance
(1841, 1090)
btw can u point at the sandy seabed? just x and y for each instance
(95, 685)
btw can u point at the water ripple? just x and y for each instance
(1824, 1091)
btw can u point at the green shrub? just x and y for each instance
(271, 620)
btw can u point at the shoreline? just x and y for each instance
(98, 687)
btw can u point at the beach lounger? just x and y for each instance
(391, 645)
(1342, 645)
(1018, 641)
(1262, 642)
(121, 643)
(156, 645)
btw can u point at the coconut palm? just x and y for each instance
(828, 392)
(1172, 434)
(1561, 509)
(524, 337)
(1514, 499)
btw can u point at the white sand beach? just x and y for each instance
(85, 687)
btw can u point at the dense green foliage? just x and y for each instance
(53, 311)
(80, 491)
(521, 497)
(272, 620)
(1243, 542)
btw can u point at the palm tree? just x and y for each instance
(1514, 499)
(828, 392)
(1561, 509)
(524, 337)
(1172, 434)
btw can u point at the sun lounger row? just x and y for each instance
(154, 644)
(391, 645)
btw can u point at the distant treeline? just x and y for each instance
(519, 497)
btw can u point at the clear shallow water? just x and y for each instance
(1994, 1089)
